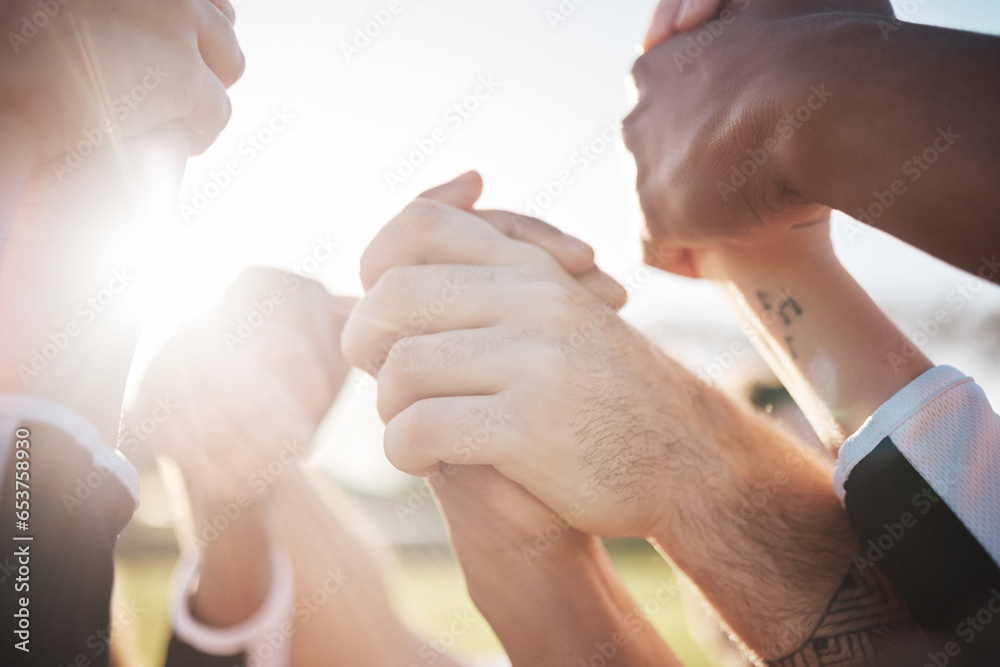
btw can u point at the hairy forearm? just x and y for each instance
(833, 348)
(908, 141)
(764, 539)
(580, 610)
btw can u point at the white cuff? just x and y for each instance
(265, 637)
(16, 410)
(943, 424)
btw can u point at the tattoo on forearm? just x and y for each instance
(791, 348)
(865, 625)
(784, 306)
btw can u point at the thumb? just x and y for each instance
(462, 192)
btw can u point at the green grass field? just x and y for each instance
(428, 592)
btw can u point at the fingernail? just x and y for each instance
(687, 16)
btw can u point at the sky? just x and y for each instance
(332, 134)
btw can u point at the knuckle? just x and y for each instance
(402, 364)
(394, 288)
(641, 69)
(420, 215)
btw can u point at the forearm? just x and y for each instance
(833, 348)
(909, 139)
(341, 606)
(765, 540)
(235, 569)
(580, 610)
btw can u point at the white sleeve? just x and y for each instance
(16, 410)
(943, 424)
(265, 637)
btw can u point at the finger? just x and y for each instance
(210, 112)
(463, 192)
(661, 25)
(420, 300)
(218, 44)
(428, 232)
(469, 430)
(456, 363)
(573, 254)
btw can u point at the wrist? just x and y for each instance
(235, 564)
(767, 539)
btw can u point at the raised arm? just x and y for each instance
(829, 343)
(778, 109)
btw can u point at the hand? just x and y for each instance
(575, 256)
(706, 112)
(245, 384)
(96, 69)
(497, 356)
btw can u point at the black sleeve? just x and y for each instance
(180, 654)
(948, 580)
(61, 563)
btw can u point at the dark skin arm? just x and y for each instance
(933, 135)
(793, 109)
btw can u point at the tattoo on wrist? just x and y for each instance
(784, 306)
(865, 625)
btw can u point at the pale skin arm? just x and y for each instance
(235, 569)
(833, 348)
(599, 419)
(557, 606)
(341, 604)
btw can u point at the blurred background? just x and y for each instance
(341, 119)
